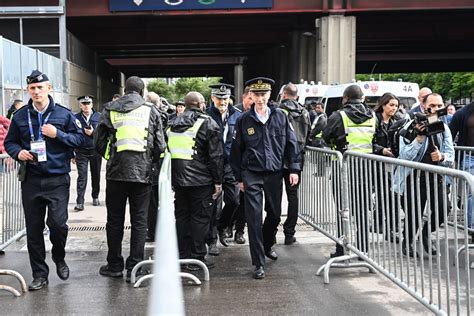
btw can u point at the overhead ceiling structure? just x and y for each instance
(391, 36)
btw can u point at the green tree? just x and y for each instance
(160, 87)
(184, 85)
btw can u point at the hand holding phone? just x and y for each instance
(34, 161)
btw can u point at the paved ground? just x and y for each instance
(290, 288)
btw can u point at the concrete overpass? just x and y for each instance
(321, 40)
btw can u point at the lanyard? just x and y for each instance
(40, 124)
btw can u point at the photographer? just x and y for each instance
(433, 144)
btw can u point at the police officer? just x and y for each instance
(197, 166)
(130, 136)
(86, 154)
(352, 128)
(225, 115)
(42, 136)
(263, 141)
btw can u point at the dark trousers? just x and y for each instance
(39, 193)
(239, 215)
(292, 196)
(193, 210)
(83, 158)
(230, 189)
(153, 211)
(420, 197)
(261, 237)
(138, 195)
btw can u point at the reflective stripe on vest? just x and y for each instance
(358, 136)
(131, 128)
(181, 145)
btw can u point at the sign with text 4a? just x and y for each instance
(165, 5)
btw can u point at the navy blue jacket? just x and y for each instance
(59, 150)
(93, 121)
(232, 115)
(262, 147)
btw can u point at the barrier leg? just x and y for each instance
(342, 262)
(199, 263)
(133, 276)
(190, 276)
(142, 279)
(461, 249)
(20, 279)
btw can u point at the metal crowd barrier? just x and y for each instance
(323, 203)
(11, 216)
(11, 211)
(382, 210)
(465, 161)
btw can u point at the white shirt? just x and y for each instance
(263, 118)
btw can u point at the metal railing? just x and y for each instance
(12, 217)
(421, 263)
(323, 203)
(397, 228)
(166, 295)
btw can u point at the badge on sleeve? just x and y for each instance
(78, 123)
(250, 131)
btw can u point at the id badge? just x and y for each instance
(39, 147)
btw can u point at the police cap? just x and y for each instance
(179, 102)
(221, 90)
(260, 84)
(36, 76)
(85, 99)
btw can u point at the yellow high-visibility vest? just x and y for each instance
(182, 145)
(131, 128)
(358, 136)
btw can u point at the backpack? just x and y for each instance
(301, 127)
(394, 135)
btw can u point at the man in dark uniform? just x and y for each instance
(299, 119)
(225, 115)
(263, 142)
(86, 154)
(197, 166)
(130, 136)
(42, 136)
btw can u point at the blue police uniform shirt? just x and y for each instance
(233, 115)
(93, 121)
(265, 147)
(59, 150)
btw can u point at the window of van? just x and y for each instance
(308, 100)
(405, 102)
(332, 105)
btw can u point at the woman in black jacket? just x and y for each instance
(385, 112)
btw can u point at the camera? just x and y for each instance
(429, 119)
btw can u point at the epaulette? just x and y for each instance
(63, 107)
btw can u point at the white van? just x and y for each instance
(407, 92)
(308, 92)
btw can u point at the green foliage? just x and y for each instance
(160, 87)
(177, 90)
(448, 84)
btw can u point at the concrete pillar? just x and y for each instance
(302, 58)
(335, 54)
(293, 58)
(238, 82)
(62, 32)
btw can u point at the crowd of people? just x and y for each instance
(229, 163)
